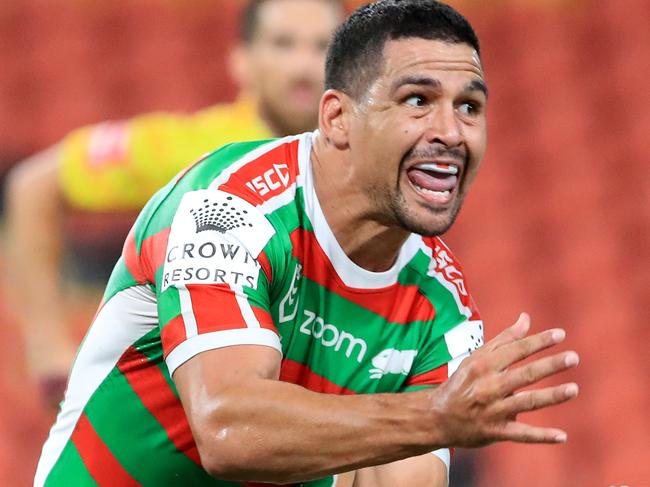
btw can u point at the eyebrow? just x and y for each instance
(415, 80)
(475, 85)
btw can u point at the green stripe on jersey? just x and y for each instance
(292, 215)
(69, 470)
(169, 305)
(120, 280)
(447, 313)
(341, 345)
(136, 426)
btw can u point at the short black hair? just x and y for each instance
(250, 17)
(355, 56)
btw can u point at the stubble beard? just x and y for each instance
(392, 210)
(434, 227)
(439, 221)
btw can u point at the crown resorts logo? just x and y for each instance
(219, 216)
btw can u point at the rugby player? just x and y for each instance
(286, 311)
(117, 166)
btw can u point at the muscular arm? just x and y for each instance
(250, 426)
(35, 237)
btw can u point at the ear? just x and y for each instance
(334, 118)
(239, 66)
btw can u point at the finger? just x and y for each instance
(510, 334)
(535, 371)
(516, 351)
(525, 433)
(533, 400)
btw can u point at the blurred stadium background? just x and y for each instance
(558, 223)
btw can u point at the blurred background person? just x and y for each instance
(568, 142)
(116, 166)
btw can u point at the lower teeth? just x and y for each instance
(430, 191)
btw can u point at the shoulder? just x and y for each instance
(234, 189)
(256, 171)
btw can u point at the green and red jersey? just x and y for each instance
(236, 250)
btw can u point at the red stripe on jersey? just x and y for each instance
(148, 382)
(264, 262)
(131, 258)
(267, 176)
(173, 334)
(264, 318)
(98, 459)
(396, 303)
(300, 374)
(152, 253)
(215, 308)
(450, 269)
(432, 377)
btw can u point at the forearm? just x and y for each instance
(250, 426)
(284, 433)
(35, 241)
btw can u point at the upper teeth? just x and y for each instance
(443, 168)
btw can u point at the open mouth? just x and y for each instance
(434, 180)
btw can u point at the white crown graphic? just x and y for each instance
(221, 217)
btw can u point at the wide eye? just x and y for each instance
(468, 108)
(415, 101)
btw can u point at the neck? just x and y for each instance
(350, 213)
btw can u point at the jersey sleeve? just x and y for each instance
(214, 287)
(435, 362)
(455, 331)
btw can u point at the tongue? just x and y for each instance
(432, 181)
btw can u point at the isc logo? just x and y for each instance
(272, 179)
(330, 336)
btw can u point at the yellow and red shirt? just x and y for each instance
(117, 166)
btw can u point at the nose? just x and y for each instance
(445, 127)
(302, 59)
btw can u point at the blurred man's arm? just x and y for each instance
(35, 212)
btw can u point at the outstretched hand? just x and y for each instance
(481, 400)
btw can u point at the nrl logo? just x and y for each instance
(219, 216)
(392, 361)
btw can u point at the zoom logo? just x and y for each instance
(330, 336)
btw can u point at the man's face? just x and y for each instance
(418, 134)
(286, 60)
